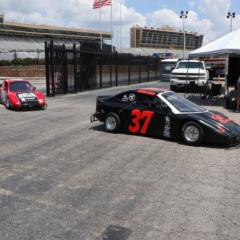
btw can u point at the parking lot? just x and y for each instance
(62, 177)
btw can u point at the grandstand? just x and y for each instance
(164, 37)
(20, 40)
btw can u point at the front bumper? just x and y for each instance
(234, 141)
(96, 117)
(29, 105)
(182, 83)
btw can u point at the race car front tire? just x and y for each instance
(44, 107)
(8, 104)
(192, 133)
(112, 123)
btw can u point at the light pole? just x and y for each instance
(231, 15)
(183, 16)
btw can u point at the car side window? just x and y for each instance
(144, 100)
(159, 104)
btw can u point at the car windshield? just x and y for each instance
(182, 104)
(21, 87)
(167, 67)
(190, 65)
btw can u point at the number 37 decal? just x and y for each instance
(137, 117)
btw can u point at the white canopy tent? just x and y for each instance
(229, 44)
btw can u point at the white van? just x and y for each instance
(188, 71)
(167, 65)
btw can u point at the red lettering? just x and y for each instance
(135, 125)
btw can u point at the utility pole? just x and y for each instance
(183, 16)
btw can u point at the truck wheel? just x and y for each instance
(192, 133)
(112, 123)
(173, 88)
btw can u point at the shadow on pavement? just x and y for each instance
(113, 232)
(100, 128)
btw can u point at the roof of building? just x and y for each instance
(43, 31)
(49, 29)
(165, 29)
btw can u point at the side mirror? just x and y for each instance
(34, 88)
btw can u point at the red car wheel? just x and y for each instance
(8, 104)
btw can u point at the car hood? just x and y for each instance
(219, 120)
(188, 71)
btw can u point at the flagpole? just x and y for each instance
(120, 41)
(112, 26)
(101, 44)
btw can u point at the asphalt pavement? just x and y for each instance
(63, 178)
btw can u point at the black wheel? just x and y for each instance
(173, 88)
(192, 133)
(44, 107)
(112, 123)
(8, 104)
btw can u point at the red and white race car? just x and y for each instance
(20, 94)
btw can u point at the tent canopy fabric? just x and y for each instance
(228, 44)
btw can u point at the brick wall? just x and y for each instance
(22, 71)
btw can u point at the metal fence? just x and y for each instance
(79, 68)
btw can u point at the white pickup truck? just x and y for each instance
(187, 71)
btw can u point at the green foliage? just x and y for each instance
(22, 62)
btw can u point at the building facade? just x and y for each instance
(164, 38)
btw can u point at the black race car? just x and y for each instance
(161, 113)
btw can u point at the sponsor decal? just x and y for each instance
(131, 97)
(221, 119)
(125, 98)
(26, 95)
(167, 128)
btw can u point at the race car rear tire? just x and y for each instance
(192, 133)
(112, 123)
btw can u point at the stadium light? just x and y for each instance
(183, 16)
(231, 15)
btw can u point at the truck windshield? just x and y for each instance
(182, 104)
(190, 65)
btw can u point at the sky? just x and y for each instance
(207, 17)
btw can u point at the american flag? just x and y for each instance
(101, 3)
